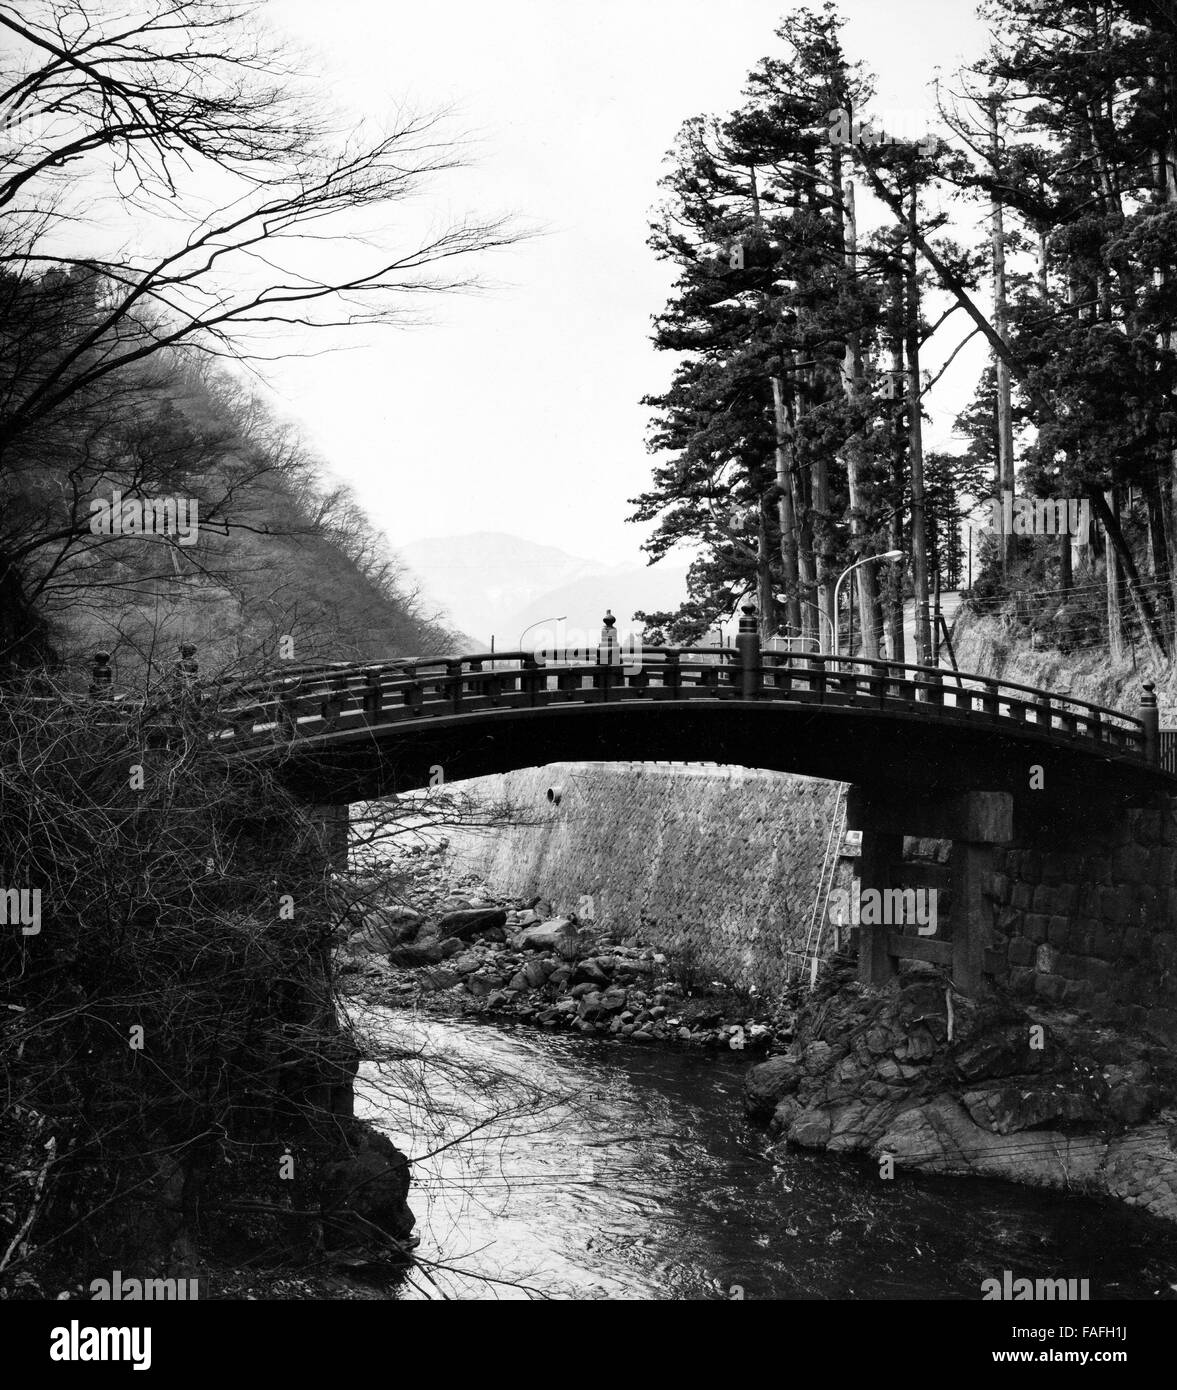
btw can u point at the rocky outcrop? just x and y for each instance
(369, 1187)
(949, 1085)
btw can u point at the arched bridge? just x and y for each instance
(350, 733)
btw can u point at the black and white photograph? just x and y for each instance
(588, 669)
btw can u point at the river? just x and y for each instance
(559, 1167)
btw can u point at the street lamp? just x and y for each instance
(868, 560)
(782, 598)
(538, 621)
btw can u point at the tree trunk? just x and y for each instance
(1118, 551)
(786, 513)
(919, 534)
(893, 576)
(765, 602)
(1005, 435)
(854, 450)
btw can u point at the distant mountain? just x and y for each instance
(493, 583)
(583, 602)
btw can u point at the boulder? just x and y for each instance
(591, 1006)
(767, 1084)
(559, 935)
(589, 972)
(471, 922)
(430, 953)
(613, 1001)
(467, 962)
(537, 972)
(382, 928)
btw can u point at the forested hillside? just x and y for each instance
(272, 552)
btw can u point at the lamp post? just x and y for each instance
(891, 555)
(781, 598)
(529, 626)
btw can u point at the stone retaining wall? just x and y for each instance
(717, 865)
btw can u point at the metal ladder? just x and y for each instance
(825, 884)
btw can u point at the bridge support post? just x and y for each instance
(974, 822)
(748, 642)
(880, 849)
(972, 867)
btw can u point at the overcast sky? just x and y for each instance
(518, 409)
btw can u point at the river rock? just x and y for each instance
(383, 928)
(559, 935)
(471, 922)
(590, 1006)
(589, 972)
(767, 1084)
(427, 953)
(613, 1000)
(537, 972)
(438, 977)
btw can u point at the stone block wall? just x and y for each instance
(1095, 929)
(716, 865)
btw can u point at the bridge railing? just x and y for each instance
(310, 704)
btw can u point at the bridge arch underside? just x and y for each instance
(884, 751)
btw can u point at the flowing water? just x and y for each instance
(561, 1167)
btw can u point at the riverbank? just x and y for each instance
(469, 955)
(916, 1074)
